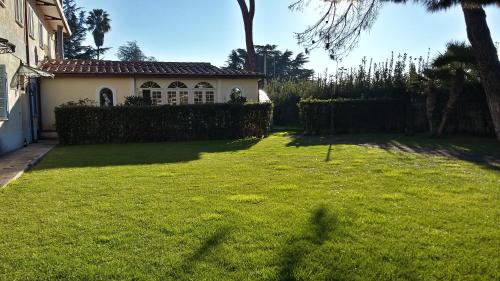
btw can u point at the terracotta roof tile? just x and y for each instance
(120, 68)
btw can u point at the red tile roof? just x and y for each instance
(143, 68)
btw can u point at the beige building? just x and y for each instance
(108, 83)
(30, 32)
(35, 78)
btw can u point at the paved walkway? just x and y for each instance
(14, 164)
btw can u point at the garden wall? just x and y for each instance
(91, 125)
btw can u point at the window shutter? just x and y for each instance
(3, 93)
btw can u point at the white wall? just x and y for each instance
(59, 90)
(15, 130)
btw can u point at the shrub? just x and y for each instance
(237, 97)
(86, 124)
(80, 102)
(323, 117)
(137, 101)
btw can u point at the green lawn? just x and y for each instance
(281, 208)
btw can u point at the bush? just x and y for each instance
(87, 124)
(137, 101)
(323, 117)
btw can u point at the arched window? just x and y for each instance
(151, 90)
(237, 96)
(204, 93)
(237, 92)
(106, 97)
(177, 93)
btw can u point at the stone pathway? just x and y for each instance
(14, 164)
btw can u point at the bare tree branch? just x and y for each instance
(339, 28)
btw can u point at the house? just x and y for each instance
(108, 83)
(35, 78)
(30, 32)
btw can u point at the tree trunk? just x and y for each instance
(455, 91)
(248, 16)
(486, 56)
(430, 106)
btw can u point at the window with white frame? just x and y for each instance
(198, 97)
(172, 98)
(209, 97)
(4, 97)
(205, 92)
(31, 22)
(177, 93)
(151, 90)
(41, 34)
(19, 11)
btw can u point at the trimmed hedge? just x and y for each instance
(121, 124)
(323, 117)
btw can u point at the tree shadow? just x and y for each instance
(319, 229)
(207, 247)
(137, 153)
(478, 150)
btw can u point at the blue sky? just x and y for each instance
(207, 30)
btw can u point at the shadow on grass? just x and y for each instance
(137, 153)
(481, 151)
(321, 226)
(207, 247)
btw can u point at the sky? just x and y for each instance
(207, 30)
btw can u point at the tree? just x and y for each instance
(280, 65)
(248, 16)
(99, 23)
(456, 65)
(73, 48)
(132, 52)
(338, 30)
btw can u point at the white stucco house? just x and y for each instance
(165, 83)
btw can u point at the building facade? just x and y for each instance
(108, 83)
(30, 32)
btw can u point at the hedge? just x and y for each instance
(93, 125)
(323, 117)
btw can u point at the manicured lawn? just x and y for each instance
(281, 208)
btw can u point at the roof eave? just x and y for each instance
(63, 18)
(139, 75)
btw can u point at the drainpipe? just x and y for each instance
(26, 32)
(28, 86)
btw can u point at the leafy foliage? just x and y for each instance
(132, 52)
(323, 117)
(78, 23)
(237, 98)
(73, 48)
(90, 124)
(280, 64)
(396, 77)
(137, 101)
(99, 23)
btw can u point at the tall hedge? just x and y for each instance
(91, 125)
(323, 117)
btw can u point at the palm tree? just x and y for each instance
(449, 70)
(99, 23)
(457, 64)
(339, 29)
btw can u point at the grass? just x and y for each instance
(281, 208)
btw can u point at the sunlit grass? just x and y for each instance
(281, 208)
